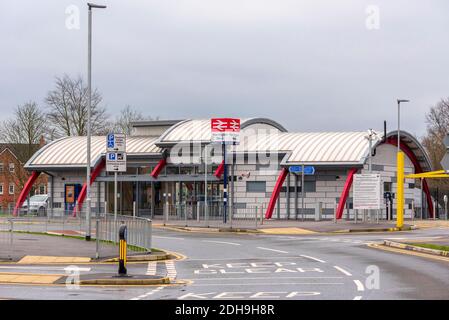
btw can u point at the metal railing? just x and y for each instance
(104, 230)
(198, 215)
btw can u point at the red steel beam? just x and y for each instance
(276, 191)
(219, 170)
(418, 169)
(345, 193)
(25, 191)
(83, 191)
(158, 168)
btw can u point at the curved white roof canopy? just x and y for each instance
(198, 131)
(312, 147)
(318, 148)
(72, 151)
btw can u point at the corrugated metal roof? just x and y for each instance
(71, 151)
(312, 147)
(199, 130)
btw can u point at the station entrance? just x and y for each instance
(150, 199)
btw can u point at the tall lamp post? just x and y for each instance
(89, 96)
(400, 173)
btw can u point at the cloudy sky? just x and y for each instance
(311, 65)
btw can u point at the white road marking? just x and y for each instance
(145, 295)
(239, 258)
(263, 248)
(152, 267)
(343, 271)
(265, 278)
(357, 298)
(171, 270)
(264, 284)
(359, 284)
(222, 242)
(312, 258)
(248, 295)
(170, 238)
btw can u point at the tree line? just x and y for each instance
(64, 114)
(437, 120)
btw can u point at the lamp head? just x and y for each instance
(403, 100)
(97, 6)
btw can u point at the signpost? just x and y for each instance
(308, 170)
(367, 192)
(115, 159)
(225, 131)
(303, 171)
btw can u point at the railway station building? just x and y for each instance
(170, 162)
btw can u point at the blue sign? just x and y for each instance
(308, 170)
(111, 156)
(111, 141)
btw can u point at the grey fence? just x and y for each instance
(198, 215)
(103, 228)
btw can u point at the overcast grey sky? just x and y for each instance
(311, 65)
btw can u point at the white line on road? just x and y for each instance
(240, 258)
(265, 284)
(263, 248)
(359, 285)
(357, 298)
(264, 278)
(343, 271)
(222, 242)
(170, 238)
(312, 258)
(171, 270)
(145, 295)
(151, 270)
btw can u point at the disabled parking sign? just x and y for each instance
(116, 152)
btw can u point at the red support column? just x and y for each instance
(394, 141)
(275, 194)
(25, 191)
(219, 170)
(82, 195)
(345, 192)
(158, 168)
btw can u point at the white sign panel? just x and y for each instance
(367, 191)
(116, 142)
(116, 161)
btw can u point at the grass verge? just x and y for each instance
(431, 246)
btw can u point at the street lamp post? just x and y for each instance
(89, 96)
(400, 173)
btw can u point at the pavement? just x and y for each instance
(288, 227)
(46, 249)
(56, 246)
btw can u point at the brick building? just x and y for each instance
(13, 176)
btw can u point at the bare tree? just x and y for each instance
(27, 127)
(123, 122)
(67, 105)
(437, 120)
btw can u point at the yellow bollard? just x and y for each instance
(122, 250)
(400, 190)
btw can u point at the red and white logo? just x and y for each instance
(225, 125)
